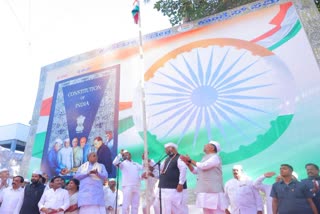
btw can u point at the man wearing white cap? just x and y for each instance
(110, 194)
(11, 196)
(32, 194)
(172, 182)
(209, 188)
(65, 158)
(131, 181)
(5, 181)
(241, 194)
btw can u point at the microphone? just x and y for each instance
(159, 161)
(120, 161)
(123, 158)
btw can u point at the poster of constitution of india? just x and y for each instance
(246, 77)
(84, 109)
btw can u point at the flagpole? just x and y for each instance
(144, 117)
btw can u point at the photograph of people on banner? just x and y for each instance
(83, 119)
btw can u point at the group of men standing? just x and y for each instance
(37, 198)
(239, 195)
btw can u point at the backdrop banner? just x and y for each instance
(238, 77)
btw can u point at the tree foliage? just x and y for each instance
(179, 11)
(318, 4)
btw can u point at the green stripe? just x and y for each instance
(38, 145)
(297, 27)
(125, 124)
(278, 127)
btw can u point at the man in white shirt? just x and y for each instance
(65, 158)
(54, 200)
(110, 194)
(209, 188)
(131, 181)
(12, 196)
(5, 180)
(266, 189)
(242, 196)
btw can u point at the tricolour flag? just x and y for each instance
(135, 11)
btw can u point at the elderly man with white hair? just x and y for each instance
(52, 158)
(5, 180)
(173, 182)
(241, 194)
(131, 181)
(92, 176)
(209, 188)
(65, 158)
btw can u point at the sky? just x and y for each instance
(36, 33)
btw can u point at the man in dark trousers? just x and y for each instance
(32, 194)
(104, 154)
(173, 183)
(313, 182)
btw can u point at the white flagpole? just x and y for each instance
(144, 117)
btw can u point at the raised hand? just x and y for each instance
(269, 174)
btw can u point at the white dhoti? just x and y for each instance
(174, 202)
(96, 209)
(212, 202)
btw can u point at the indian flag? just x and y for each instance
(135, 11)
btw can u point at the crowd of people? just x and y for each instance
(90, 190)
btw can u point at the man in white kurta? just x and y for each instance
(5, 181)
(92, 176)
(209, 188)
(54, 200)
(77, 153)
(266, 189)
(12, 196)
(65, 156)
(131, 181)
(110, 195)
(173, 182)
(242, 196)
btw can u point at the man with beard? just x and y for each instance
(313, 182)
(32, 194)
(172, 182)
(11, 196)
